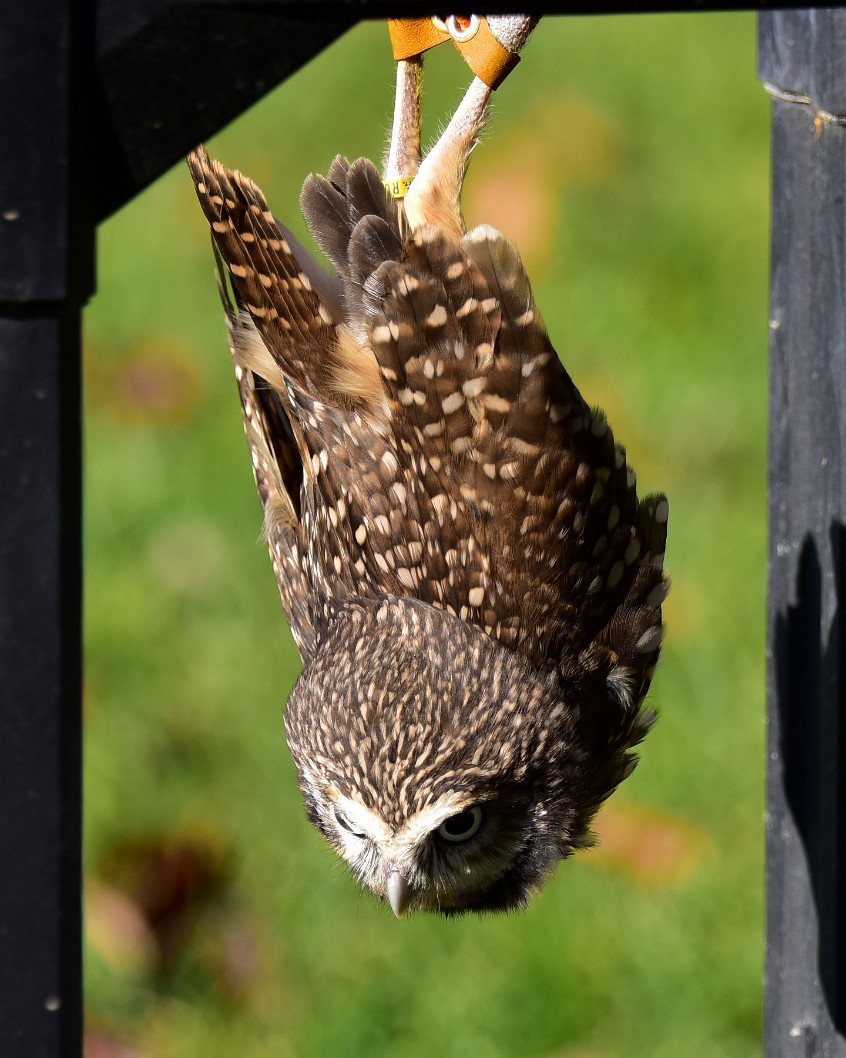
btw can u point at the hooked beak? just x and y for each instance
(399, 892)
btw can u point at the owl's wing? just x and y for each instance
(594, 552)
(280, 312)
(526, 513)
(444, 452)
(277, 466)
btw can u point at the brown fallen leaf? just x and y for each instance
(654, 848)
(163, 882)
(153, 383)
(116, 928)
(565, 141)
(100, 1043)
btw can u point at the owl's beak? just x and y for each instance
(399, 892)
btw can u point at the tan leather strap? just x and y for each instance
(483, 53)
(413, 36)
(486, 57)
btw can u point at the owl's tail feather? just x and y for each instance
(356, 224)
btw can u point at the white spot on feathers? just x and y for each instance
(452, 403)
(406, 578)
(615, 575)
(657, 595)
(650, 640)
(632, 551)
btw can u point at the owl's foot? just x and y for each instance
(490, 46)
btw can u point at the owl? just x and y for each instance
(471, 580)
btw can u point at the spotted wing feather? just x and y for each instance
(535, 512)
(278, 338)
(315, 425)
(445, 453)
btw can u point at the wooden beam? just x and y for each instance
(802, 60)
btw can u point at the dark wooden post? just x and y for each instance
(46, 259)
(82, 129)
(803, 63)
(77, 139)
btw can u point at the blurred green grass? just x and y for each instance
(628, 158)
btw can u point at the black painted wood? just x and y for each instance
(80, 133)
(170, 73)
(45, 274)
(40, 680)
(99, 97)
(802, 53)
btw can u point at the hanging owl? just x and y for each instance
(470, 578)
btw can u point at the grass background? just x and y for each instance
(627, 158)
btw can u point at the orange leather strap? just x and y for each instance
(413, 36)
(483, 53)
(486, 57)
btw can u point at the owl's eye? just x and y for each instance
(461, 827)
(344, 822)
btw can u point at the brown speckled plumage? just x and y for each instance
(471, 581)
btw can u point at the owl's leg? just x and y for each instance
(435, 194)
(404, 147)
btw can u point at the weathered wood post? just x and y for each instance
(99, 140)
(802, 59)
(94, 107)
(46, 255)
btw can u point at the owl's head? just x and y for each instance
(449, 772)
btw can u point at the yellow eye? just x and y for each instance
(461, 827)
